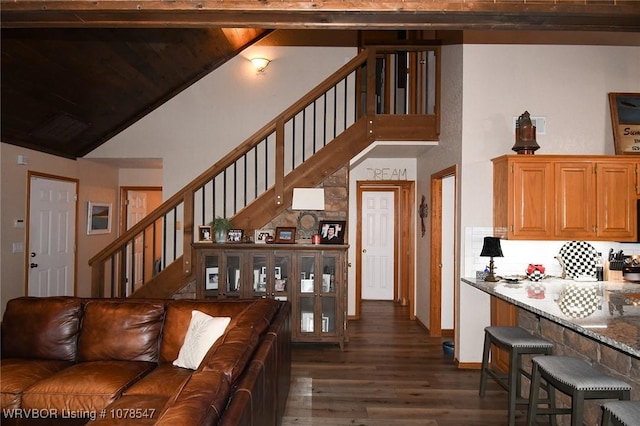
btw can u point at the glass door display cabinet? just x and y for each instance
(221, 275)
(270, 272)
(318, 302)
(311, 277)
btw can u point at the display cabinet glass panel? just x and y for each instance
(328, 315)
(232, 276)
(281, 274)
(211, 276)
(307, 266)
(328, 274)
(259, 265)
(307, 316)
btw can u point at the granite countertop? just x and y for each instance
(607, 311)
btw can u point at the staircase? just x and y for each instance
(386, 93)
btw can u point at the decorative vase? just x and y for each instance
(535, 272)
(220, 235)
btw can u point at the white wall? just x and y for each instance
(566, 84)
(203, 123)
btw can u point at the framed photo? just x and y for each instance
(204, 233)
(211, 278)
(277, 272)
(98, 218)
(286, 235)
(332, 231)
(262, 234)
(234, 235)
(625, 122)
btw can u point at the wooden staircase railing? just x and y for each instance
(254, 182)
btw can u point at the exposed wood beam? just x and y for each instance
(605, 15)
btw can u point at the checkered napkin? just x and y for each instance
(579, 300)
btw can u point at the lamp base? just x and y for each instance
(491, 277)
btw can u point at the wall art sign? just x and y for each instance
(625, 121)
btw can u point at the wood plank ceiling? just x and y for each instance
(75, 73)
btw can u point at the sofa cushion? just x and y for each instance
(252, 313)
(163, 380)
(41, 328)
(18, 374)
(178, 318)
(121, 330)
(201, 400)
(87, 386)
(202, 333)
(130, 410)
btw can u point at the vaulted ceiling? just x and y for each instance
(75, 73)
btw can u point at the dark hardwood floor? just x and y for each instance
(390, 373)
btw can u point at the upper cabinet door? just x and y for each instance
(616, 200)
(532, 206)
(575, 195)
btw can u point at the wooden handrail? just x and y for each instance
(184, 198)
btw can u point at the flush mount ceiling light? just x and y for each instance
(260, 63)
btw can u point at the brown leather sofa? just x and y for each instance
(68, 360)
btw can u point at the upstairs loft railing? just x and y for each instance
(393, 88)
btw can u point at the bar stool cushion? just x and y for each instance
(577, 374)
(625, 412)
(517, 337)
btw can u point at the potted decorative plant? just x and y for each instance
(221, 225)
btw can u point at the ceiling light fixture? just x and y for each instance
(260, 64)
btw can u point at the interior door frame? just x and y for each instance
(123, 202)
(404, 225)
(31, 174)
(435, 267)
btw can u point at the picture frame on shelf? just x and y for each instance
(277, 272)
(285, 235)
(332, 231)
(625, 122)
(98, 218)
(306, 286)
(212, 278)
(234, 235)
(204, 234)
(262, 235)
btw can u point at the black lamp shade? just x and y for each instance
(491, 247)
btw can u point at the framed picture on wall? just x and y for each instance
(625, 122)
(98, 218)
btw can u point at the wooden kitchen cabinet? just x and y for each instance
(565, 197)
(312, 277)
(523, 201)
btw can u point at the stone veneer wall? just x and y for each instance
(602, 357)
(336, 201)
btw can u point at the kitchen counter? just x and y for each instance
(611, 316)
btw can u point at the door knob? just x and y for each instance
(34, 265)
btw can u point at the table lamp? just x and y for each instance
(491, 248)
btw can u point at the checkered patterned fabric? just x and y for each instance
(579, 258)
(579, 300)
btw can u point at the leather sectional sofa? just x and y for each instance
(68, 360)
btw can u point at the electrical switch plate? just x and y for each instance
(18, 247)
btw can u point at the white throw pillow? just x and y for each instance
(202, 333)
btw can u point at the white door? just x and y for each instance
(136, 211)
(52, 236)
(378, 218)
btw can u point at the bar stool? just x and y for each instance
(575, 378)
(517, 341)
(621, 413)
